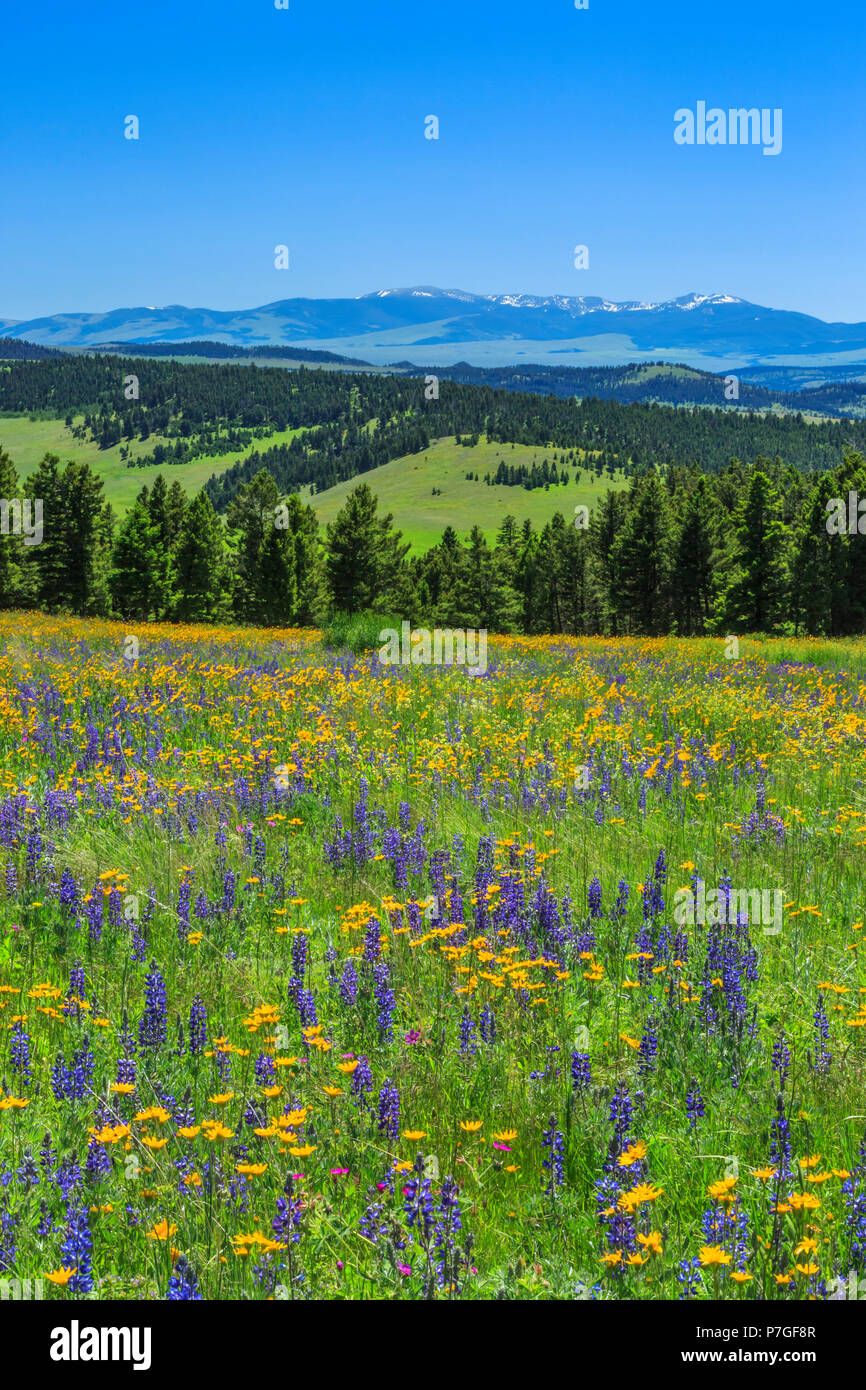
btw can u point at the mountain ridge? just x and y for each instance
(704, 330)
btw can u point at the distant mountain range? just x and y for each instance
(712, 332)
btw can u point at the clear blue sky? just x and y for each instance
(306, 127)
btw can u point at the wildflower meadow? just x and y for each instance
(324, 978)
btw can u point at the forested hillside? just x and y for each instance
(717, 520)
(353, 422)
(17, 350)
(669, 384)
(682, 552)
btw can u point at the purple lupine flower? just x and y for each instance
(183, 1285)
(373, 1223)
(299, 957)
(28, 1173)
(264, 1069)
(19, 1053)
(372, 941)
(184, 903)
(554, 1142)
(97, 1165)
(349, 984)
(388, 1115)
(114, 909)
(77, 982)
(649, 1046)
(468, 1046)
(197, 1027)
(385, 999)
(47, 1156)
(418, 1202)
(153, 1025)
(68, 1176)
(68, 895)
(125, 1071)
(689, 1278)
(695, 1107)
(8, 1250)
(621, 1112)
(781, 1062)
(581, 1076)
(448, 1223)
(93, 913)
(594, 898)
(229, 895)
(11, 879)
(780, 1139)
(822, 1058)
(728, 1226)
(307, 1008)
(46, 1225)
(77, 1249)
(487, 1025)
(287, 1222)
(362, 1080)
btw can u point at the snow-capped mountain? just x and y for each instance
(429, 324)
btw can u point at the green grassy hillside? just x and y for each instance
(27, 441)
(405, 487)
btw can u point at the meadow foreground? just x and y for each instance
(326, 979)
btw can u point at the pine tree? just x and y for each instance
(642, 559)
(167, 506)
(364, 555)
(604, 529)
(252, 515)
(573, 556)
(309, 579)
(141, 576)
(435, 576)
(202, 572)
(46, 562)
(756, 598)
(853, 616)
(88, 524)
(484, 597)
(277, 589)
(819, 562)
(546, 613)
(71, 565)
(528, 582)
(692, 573)
(507, 549)
(10, 545)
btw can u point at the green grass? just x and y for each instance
(651, 369)
(357, 632)
(27, 441)
(404, 486)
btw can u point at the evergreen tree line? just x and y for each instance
(676, 552)
(221, 351)
(518, 475)
(19, 350)
(685, 553)
(676, 385)
(170, 558)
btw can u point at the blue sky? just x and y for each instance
(306, 127)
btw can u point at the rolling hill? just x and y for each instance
(405, 487)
